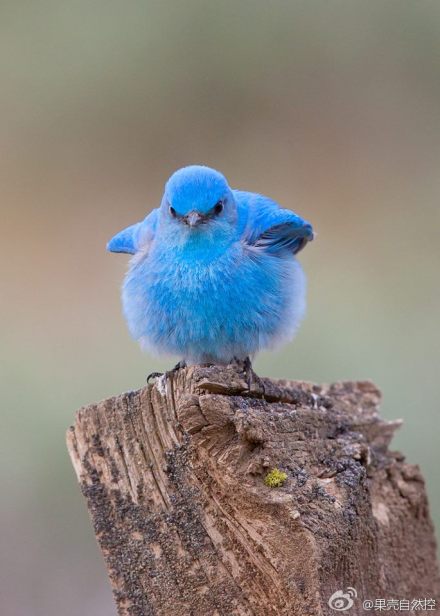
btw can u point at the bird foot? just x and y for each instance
(248, 371)
(245, 365)
(156, 375)
(153, 375)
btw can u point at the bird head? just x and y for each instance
(198, 198)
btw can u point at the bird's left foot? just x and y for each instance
(245, 365)
(156, 375)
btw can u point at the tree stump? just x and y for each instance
(176, 477)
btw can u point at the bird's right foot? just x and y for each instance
(153, 375)
(156, 375)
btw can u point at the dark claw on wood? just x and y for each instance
(153, 375)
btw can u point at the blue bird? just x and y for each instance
(213, 276)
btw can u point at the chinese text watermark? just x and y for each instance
(343, 600)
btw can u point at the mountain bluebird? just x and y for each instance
(213, 276)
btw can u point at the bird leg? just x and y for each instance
(246, 365)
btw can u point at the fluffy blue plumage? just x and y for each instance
(214, 274)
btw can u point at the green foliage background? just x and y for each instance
(330, 107)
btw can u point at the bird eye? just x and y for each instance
(172, 211)
(218, 207)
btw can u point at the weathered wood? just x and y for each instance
(174, 478)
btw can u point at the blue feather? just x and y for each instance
(125, 240)
(136, 237)
(271, 228)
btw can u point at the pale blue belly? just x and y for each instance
(229, 308)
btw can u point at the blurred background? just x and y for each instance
(331, 108)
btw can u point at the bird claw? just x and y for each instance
(249, 373)
(179, 365)
(153, 375)
(246, 366)
(156, 375)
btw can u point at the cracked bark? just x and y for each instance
(174, 476)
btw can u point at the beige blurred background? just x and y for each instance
(332, 108)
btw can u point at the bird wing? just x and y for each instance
(264, 225)
(136, 237)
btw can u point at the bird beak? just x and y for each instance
(193, 219)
